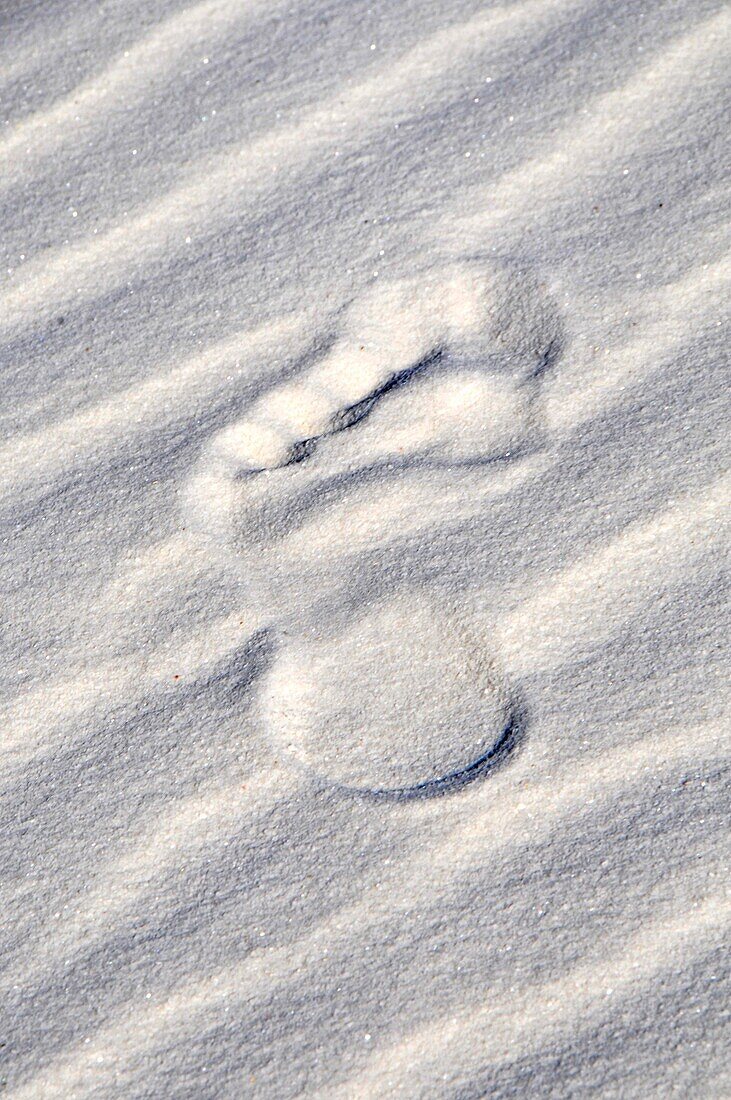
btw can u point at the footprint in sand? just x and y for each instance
(382, 684)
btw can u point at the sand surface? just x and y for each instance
(364, 497)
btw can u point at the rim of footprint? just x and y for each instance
(381, 680)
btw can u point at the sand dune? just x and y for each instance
(364, 498)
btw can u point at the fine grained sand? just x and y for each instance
(365, 520)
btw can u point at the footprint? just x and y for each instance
(431, 377)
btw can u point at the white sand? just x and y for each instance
(365, 525)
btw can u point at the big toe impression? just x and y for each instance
(403, 701)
